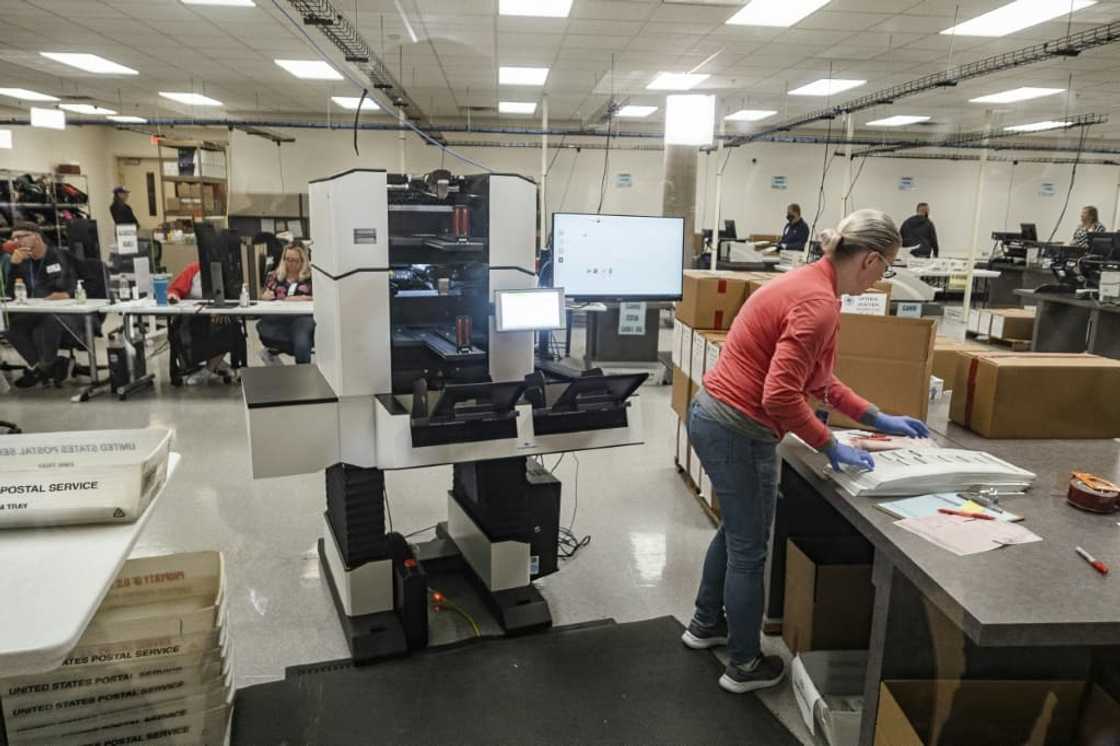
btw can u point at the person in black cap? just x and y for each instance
(122, 213)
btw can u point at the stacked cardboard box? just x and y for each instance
(1012, 324)
(153, 664)
(945, 358)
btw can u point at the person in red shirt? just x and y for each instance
(202, 338)
(779, 355)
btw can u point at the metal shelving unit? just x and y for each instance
(170, 184)
(49, 215)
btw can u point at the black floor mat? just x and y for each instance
(611, 683)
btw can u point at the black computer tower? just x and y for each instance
(544, 520)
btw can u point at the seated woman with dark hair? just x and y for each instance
(292, 334)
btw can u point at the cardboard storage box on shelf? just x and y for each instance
(172, 205)
(695, 469)
(713, 345)
(946, 358)
(828, 687)
(679, 332)
(829, 595)
(1012, 323)
(979, 321)
(696, 360)
(710, 300)
(682, 447)
(1027, 713)
(886, 360)
(1037, 395)
(682, 393)
(705, 351)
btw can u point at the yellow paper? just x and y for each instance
(971, 507)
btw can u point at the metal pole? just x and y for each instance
(847, 186)
(543, 241)
(1116, 209)
(719, 191)
(966, 307)
(401, 137)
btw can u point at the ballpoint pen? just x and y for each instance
(963, 514)
(1094, 563)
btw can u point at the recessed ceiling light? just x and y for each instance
(522, 75)
(128, 119)
(232, 3)
(86, 109)
(826, 87)
(775, 12)
(635, 112)
(1037, 126)
(310, 69)
(750, 115)
(193, 99)
(1015, 95)
(899, 120)
(1017, 16)
(351, 103)
(677, 81)
(51, 119)
(689, 120)
(25, 95)
(541, 8)
(517, 107)
(90, 63)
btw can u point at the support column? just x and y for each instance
(846, 189)
(979, 207)
(1116, 208)
(679, 191)
(719, 196)
(543, 241)
(401, 138)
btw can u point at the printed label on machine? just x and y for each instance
(365, 235)
(632, 319)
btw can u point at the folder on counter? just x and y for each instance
(926, 505)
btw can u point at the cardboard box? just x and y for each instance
(695, 470)
(1037, 395)
(682, 446)
(1012, 323)
(696, 362)
(714, 342)
(946, 358)
(172, 205)
(829, 596)
(710, 300)
(886, 360)
(208, 197)
(979, 321)
(682, 393)
(828, 687)
(678, 342)
(1030, 713)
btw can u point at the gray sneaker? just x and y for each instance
(702, 638)
(764, 671)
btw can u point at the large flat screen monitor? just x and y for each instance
(618, 257)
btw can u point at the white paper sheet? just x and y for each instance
(965, 536)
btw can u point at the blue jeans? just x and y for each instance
(292, 334)
(744, 473)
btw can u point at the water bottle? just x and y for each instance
(244, 301)
(80, 293)
(20, 291)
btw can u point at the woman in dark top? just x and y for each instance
(290, 282)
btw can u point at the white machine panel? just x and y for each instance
(350, 222)
(356, 434)
(511, 353)
(500, 565)
(352, 332)
(276, 452)
(513, 232)
(368, 588)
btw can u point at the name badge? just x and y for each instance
(54, 268)
(293, 288)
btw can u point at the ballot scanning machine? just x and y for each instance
(426, 311)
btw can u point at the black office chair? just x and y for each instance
(93, 274)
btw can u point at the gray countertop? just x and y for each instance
(1069, 299)
(1033, 594)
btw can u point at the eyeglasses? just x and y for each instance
(887, 271)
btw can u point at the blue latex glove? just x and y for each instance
(840, 454)
(907, 426)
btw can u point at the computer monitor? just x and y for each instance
(1104, 245)
(82, 240)
(531, 310)
(219, 262)
(1028, 231)
(618, 257)
(728, 231)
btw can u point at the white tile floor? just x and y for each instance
(648, 533)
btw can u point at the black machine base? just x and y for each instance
(370, 636)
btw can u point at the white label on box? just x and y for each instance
(686, 348)
(868, 304)
(696, 365)
(682, 445)
(676, 349)
(705, 485)
(910, 310)
(974, 320)
(996, 326)
(127, 242)
(805, 693)
(711, 356)
(984, 326)
(631, 319)
(694, 468)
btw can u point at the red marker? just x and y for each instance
(1096, 564)
(963, 514)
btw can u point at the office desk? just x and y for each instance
(1069, 323)
(1022, 612)
(92, 307)
(259, 309)
(1001, 291)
